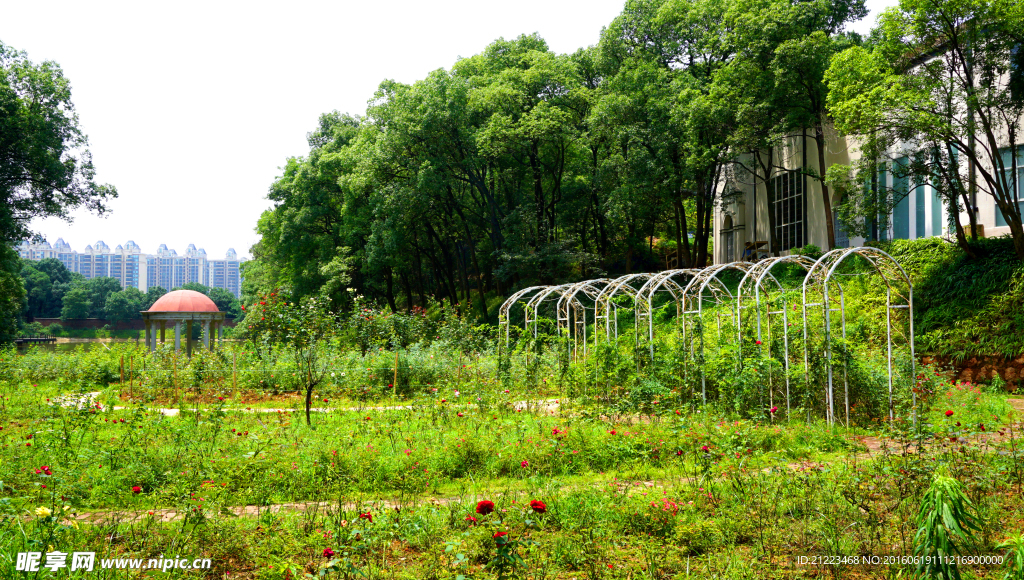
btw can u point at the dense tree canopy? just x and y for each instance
(937, 100)
(45, 168)
(520, 166)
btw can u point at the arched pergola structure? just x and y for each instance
(770, 300)
(761, 309)
(899, 298)
(572, 313)
(183, 307)
(504, 311)
(662, 282)
(605, 307)
(693, 297)
(538, 300)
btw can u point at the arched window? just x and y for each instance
(728, 240)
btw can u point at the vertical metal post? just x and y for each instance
(888, 343)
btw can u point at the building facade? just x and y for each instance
(134, 269)
(742, 224)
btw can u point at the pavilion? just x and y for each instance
(183, 306)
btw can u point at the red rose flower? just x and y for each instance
(471, 520)
(484, 507)
(366, 516)
(949, 413)
(500, 538)
(136, 489)
(705, 448)
(538, 506)
(328, 553)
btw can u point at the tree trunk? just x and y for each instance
(389, 288)
(826, 198)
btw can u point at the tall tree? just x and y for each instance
(939, 86)
(45, 168)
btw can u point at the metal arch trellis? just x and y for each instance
(534, 304)
(753, 282)
(572, 313)
(821, 288)
(702, 281)
(892, 274)
(605, 309)
(813, 288)
(506, 307)
(645, 297)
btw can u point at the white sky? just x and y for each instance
(192, 107)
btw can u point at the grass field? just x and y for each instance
(367, 491)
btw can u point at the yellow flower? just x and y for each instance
(43, 512)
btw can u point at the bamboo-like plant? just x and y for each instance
(946, 522)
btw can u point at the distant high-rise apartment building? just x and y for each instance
(135, 269)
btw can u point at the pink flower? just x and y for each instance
(524, 463)
(773, 409)
(705, 448)
(328, 553)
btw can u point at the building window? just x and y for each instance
(789, 209)
(1018, 195)
(901, 191)
(842, 237)
(730, 240)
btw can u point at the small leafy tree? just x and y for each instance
(304, 328)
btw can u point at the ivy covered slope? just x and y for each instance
(965, 307)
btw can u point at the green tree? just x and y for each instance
(76, 303)
(153, 293)
(12, 293)
(46, 282)
(99, 289)
(124, 305)
(938, 88)
(45, 168)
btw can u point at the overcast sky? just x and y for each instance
(191, 107)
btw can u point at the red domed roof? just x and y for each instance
(184, 301)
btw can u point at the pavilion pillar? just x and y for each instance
(152, 345)
(177, 336)
(149, 344)
(206, 334)
(188, 338)
(163, 330)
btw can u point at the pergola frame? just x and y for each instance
(572, 314)
(892, 275)
(506, 307)
(821, 292)
(605, 308)
(753, 282)
(645, 300)
(213, 324)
